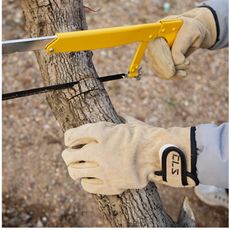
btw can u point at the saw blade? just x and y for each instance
(45, 89)
(27, 44)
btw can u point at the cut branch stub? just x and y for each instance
(186, 217)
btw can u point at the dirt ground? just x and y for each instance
(36, 188)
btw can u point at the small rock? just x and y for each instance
(44, 219)
(186, 103)
(25, 217)
(39, 223)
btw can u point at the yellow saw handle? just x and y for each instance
(117, 36)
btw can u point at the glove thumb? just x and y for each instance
(132, 121)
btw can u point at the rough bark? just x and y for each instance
(86, 102)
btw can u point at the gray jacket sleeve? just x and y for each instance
(219, 9)
(212, 154)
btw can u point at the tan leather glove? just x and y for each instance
(198, 31)
(111, 158)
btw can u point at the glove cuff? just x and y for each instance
(216, 22)
(206, 17)
(175, 165)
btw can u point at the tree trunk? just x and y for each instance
(86, 102)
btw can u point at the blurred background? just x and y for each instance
(36, 188)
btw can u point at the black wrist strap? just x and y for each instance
(180, 156)
(163, 173)
(193, 152)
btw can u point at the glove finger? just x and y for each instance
(83, 172)
(183, 66)
(160, 58)
(83, 165)
(131, 120)
(97, 186)
(180, 74)
(88, 153)
(89, 133)
(190, 51)
(80, 142)
(93, 185)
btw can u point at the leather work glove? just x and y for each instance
(198, 31)
(110, 158)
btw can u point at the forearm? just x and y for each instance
(212, 151)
